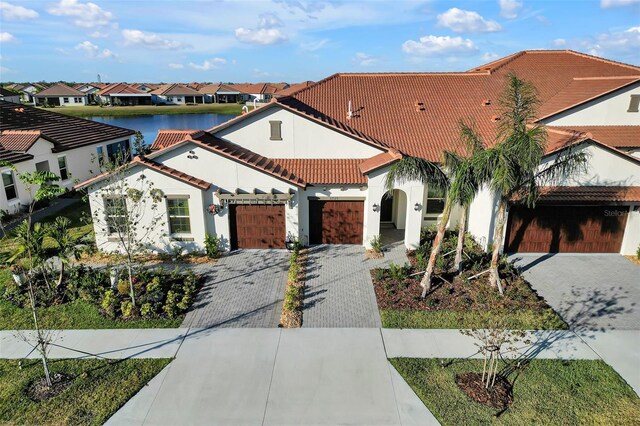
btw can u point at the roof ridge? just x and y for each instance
(598, 58)
(611, 77)
(501, 61)
(408, 74)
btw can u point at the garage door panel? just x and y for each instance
(570, 229)
(336, 222)
(257, 226)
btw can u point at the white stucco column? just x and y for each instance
(631, 239)
(415, 208)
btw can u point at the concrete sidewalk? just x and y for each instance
(301, 376)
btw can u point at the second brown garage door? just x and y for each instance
(566, 229)
(257, 226)
(336, 222)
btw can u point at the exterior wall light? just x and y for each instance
(376, 208)
(417, 207)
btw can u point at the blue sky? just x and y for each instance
(295, 40)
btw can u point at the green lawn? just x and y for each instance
(547, 392)
(124, 111)
(99, 390)
(523, 319)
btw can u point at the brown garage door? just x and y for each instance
(336, 222)
(257, 226)
(566, 229)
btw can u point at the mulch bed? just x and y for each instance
(293, 319)
(39, 391)
(499, 396)
(100, 258)
(372, 254)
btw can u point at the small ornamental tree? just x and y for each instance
(41, 186)
(126, 208)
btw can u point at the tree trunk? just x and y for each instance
(133, 296)
(61, 276)
(462, 227)
(494, 275)
(41, 343)
(435, 249)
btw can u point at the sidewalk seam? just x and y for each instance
(273, 369)
(389, 367)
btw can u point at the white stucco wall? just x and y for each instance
(608, 110)
(482, 211)
(631, 240)
(301, 137)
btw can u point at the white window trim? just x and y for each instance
(66, 166)
(178, 235)
(12, 201)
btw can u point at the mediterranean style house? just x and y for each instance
(34, 139)
(312, 165)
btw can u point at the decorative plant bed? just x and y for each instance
(291, 316)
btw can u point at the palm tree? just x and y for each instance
(66, 245)
(513, 165)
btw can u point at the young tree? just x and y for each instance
(66, 245)
(139, 145)
(127, 209)
(40, 186)
(513, 166)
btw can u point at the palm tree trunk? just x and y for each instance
(435, 249)
(61, 276)
(462, 229)
(494, 275)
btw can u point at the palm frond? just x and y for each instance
(410, 169)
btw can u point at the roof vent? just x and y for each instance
(420, 106)
(495, 118)
(486, 102)
(349, 111)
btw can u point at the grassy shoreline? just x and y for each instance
(132, 111)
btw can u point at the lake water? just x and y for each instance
(149, 125)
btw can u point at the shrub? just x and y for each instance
(376, 243)
(291, 297)
(421, 261)
(294, 272)
(123, 287)
(170, 307)
(109, 303)
(146, 310)
(399, 272)
(127, 309)
(378, 274)
(638, 253)
(13, 294)
(212, 246)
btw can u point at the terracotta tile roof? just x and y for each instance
(582, 90)
(175, 90)
(64, 131)
(615, 136)
(294, 88)
(325, 171)
(60, 90)
(589, 194)
(168, 137)
(7, 92)
(146, 162)
(208, 89)
(199, 183)
(561, 139)
(118, 88)
(418, 113)
(379, 161)
(19, 140)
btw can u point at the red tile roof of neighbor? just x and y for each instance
(293, 88)
(590, 194)
(175, 90)
(60, 90)
(117, 88)
(168, 137)
(325, 171)
(64, 131)
(19, 140)
(418, 113)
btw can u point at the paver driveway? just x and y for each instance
(338, 289)
(591, 292)
(244, 289)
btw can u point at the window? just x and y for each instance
(62, 165)
(115, 213)
(178, 211)
(435, 202)
(179, 99)
(9, 185)
(276, 130)
(119, 152)
(42, 166)
(65, 100)
(634, 105)
(100, 155)
(77, 100)
(169, 98)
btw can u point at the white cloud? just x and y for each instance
(12, 12)
(559, 42)
(176, 66)
(209, 64)
(605, 4)
(6, 37)
(490, 56)
(466, 21)
(312, 46)
(364, 60)
(510, 8)
(435, 45)
(625, 42)
(98, 34)
(269, 20)
(262, 36)
(93, 51)
(151, 40)
(85, 15)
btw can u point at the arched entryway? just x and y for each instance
(393, 216)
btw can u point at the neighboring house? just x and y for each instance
(9, 95)
(91, 90)
(36, 139)
(209, 91)
(27, 91)
(61, 95)
(229, 94)
(117, 94)
(259, 92)
(313, 165)
(176, 94)
(289, 90)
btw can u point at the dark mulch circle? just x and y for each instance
(39, 391)
(499, 396)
